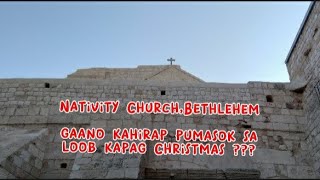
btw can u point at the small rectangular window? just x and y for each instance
(269, 98)
(63, 165)
(46, 85)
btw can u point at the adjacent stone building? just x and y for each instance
(303, 63)
(288, 126)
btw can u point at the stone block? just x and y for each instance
(131, 173)
(267, 171)
(283, 119)
(44, 111)
(21, 112)
(99, 123)
(271, 156)
(4, 119)
(34, 111)
(17, 161)
(10, 111)
(131, 163)
(280, 127)
(35, 172)
(38, 163)
(296, 128)
(83, 161)
(33, 150)
(116, 174)
(300, 172)
(26, 167)
(25, 155)
(112, 124)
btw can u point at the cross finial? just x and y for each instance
(171, 59)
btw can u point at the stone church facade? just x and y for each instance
(288, 125)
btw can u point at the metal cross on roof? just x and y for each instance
(171, 59)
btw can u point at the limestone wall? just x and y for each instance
(281, 149)
(153, 73)
(21, 152)
(304, 63)
(55, 163)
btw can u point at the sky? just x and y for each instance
(230, 42)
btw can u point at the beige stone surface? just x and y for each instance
(162, 73)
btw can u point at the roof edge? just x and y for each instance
(306, 17)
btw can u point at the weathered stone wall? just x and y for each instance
(304, 63)
(281, 149)
(21, 152)
(162, 73)
(56, 164)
